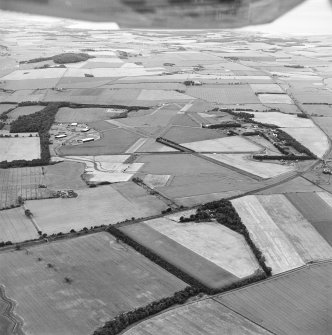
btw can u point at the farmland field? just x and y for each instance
(297, 303)
(243, 162)
(224, 94)
(279, 252)
(283, 120)
(198, 266)
(35, 74)
(266, 88)
(15, 226)
(22, 182)
(275, 99)
(156, 95)
(298, 184)
(325, 123)
(193, 179)
(6, 107)
(16, 148)
(104, 278)
(316, 210)
(312, 138)
(68, 115)
(64, 176)
(226, 144)
(184, 134)
(156, 180)
(94, 207)
(26, 110)
(212, 241)
(310, 245)
(206, 317)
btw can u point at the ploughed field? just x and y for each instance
(22, 182)
(80, 283)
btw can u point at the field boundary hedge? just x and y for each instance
(173, 145)
(123, 320)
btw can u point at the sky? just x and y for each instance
(312, 17)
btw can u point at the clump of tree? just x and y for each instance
(28, 213)
(68, 57)
(68, 280)
(4, 244)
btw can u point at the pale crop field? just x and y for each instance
(105, 278)
(15, 226)
(310, 245)
(266, 88)
(312, 138)
(68, 115)
(224, 94)
(275, 99)
(113, 72)
(279, 252)
(225, 144)
(17, 148)
(206, 317)
(243, 162)
(283, 120)
(35, 74)
(155, 180)
(96, 206)
(325, 197)
(163, 95)
(214, 242)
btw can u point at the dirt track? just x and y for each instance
(9, 324)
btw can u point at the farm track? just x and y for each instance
(14, 325)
